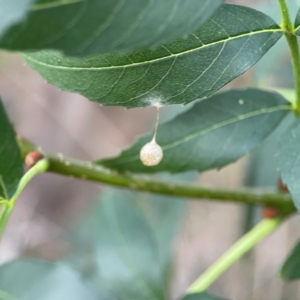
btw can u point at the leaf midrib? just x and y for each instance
(214, 127)
(153, 60)
(58, 3)
(228, 122)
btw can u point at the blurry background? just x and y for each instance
(67, 123)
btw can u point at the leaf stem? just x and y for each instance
(291, 38)
(246, 243)
(286, 22)
(295, 54)
(93, 172)
(40, 167)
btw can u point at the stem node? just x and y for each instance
(294, 50)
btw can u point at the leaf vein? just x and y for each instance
(102, 27)
(279, 30)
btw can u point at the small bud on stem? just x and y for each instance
(32, 158)
(269, 212)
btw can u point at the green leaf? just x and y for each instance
(164, 215)
(288, 155)
(28, 280)
(201, 296)
(291, 268)
(262, 171)
(118, 251)
(263, 168)
(85, 27)
(190, 68)
(11, 13)
(213, 133)
(11, 166)
(297, 23)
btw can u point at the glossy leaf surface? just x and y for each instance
(213, 133)
(182, 71)
(85, 27)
